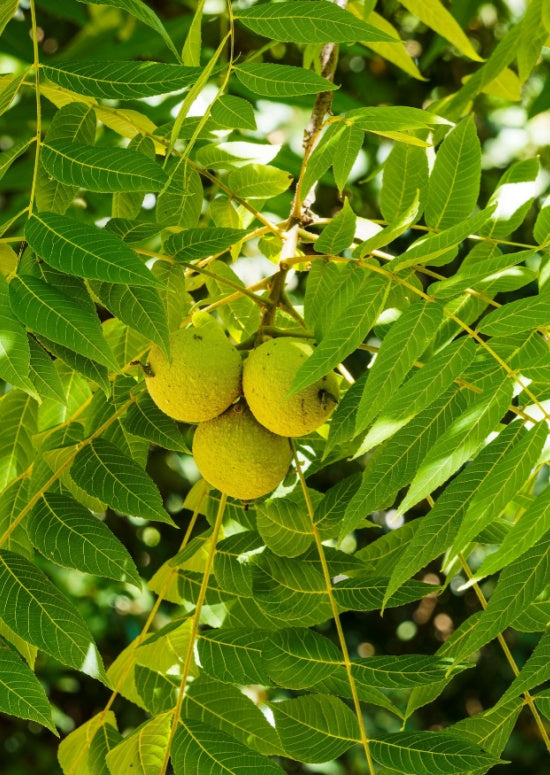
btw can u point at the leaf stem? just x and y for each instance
(335, 613)
(194, 630)
(36, 59)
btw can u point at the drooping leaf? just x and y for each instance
(146, 420)
(74, 750)
(43, 373)
(106, 473)
(121, 80)
(180, 201)
(534, 672)
(39, 613)
(14, 348)
(519, 584)
(18, 422)
(21, 693)
(349, 146)
(6, 12)
(437, 529)
(144, 13)
(405, 174)
(434, 14)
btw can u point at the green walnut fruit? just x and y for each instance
(238, 456)
(202, 378)
(268, 374)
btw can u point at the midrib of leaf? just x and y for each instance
(335, 614)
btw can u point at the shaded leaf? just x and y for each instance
(106, 473)
(339, 233)
(68, 534)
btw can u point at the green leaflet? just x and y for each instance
(534, 672)
(426, 753)
(43, 374)
(405, 174)
(142, 752)
(300, 658)
(357, 307)
(139, 307)
(71, 748)
(517, 316)
(199, 749)
(258, 181)
(39, 613)
(68, 534)
(519, 584)
(269, 80)
(105, 170)
(508, 478)
(233, 113)
(339, 233)
(14, 348)
(6, 12)
(438, 18)
(459, 443)
(18, 422)
(146, 420)
(106, 473)
(437, 529)
(393, 118)
(534, 523)
(192, 244)
(232, 562)
(420, 390)
(73, 123)
(315, 727)
(121, 80)
(429, 250)
(21, 693)
(455, 178)
(349, 145)
(226, 708)
(285, 526)
(234, 655)
(309, 22)
(86, 251)
(404, 344)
